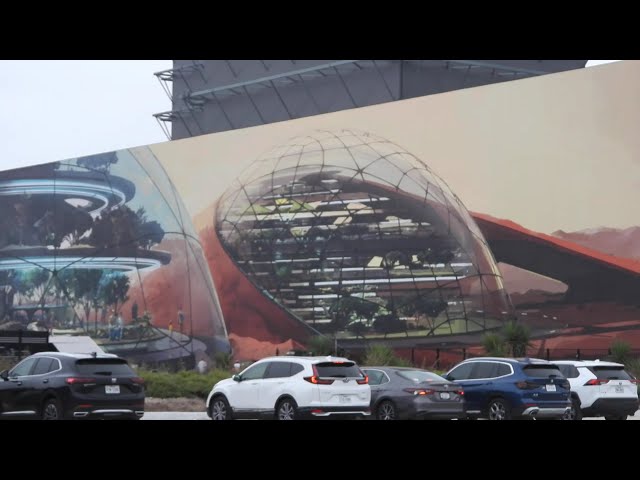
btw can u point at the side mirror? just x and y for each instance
(237, 378)
(4, 375)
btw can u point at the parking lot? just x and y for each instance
(203, 416)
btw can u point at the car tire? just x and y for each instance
(287, 409)
(499, 409)
(386, 410)
(576, 412)
(615, 417)
(51, 409)
(220, 409)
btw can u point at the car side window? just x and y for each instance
(376, 377)
(503, 369)
(296, 368)
(43, 365)
(23, 368)
(571, 371)
(278, 370)
(484, 370)
(255, 372)
(461, 372)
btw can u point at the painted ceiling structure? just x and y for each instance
(590, 275)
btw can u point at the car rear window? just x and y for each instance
(101, 366)
(419, 376)
(613, 373)
(339, 370)
(542, 371)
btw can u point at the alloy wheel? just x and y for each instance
(286, 411)
(219, 410)
(497, 411)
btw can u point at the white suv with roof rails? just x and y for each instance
(291, 387)
(600, 389)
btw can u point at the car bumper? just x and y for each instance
(425, 409)
(335, 412)
(555, 410)
(612, 406)
(124, 409)
(108, 413)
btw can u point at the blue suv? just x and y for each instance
(508, 388)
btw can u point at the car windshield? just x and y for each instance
(101, 366)
(339, 370)
(610, 373)
(419, 376)
(542, 371)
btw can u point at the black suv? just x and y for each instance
(58, 386)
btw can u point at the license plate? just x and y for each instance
(551, 388)
(445, 395)
(344, 398)
(112, 389)
(619, 389)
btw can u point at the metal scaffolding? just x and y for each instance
(193, 102)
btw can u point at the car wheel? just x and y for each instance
(575, 413)
(287, 409)
(499, 410)
(615, 417)
(51, 410)
(220, 409)
(386, 411)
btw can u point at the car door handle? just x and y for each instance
(46, 380)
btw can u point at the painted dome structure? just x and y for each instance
(103, 246)
(351, 235)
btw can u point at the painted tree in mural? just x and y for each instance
(424, 309)
(125, 230)
(114, 289)
(26, 287)
(347, 307)
(81, 286)
(101, 162)
(32, 285)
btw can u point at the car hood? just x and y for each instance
(224, 383)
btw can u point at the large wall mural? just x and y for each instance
(102, 245)
(425, 223)
(353, 236)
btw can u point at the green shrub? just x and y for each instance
(517, 336)
(621, 352)
(223, 360)
(382, 355)
(494, 345)
(321, 345)
(186, 383)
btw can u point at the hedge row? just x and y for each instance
(181, 384)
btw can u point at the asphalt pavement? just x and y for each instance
(203, 416)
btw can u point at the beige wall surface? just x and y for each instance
(555, 152)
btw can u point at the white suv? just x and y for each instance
(290, 387)
(600, 389)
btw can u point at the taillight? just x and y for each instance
(460, 392)
(138, 380)
(316, 380)
(364, 380)
(419, 391)
(634, 380)
(527, 385)
(565, 384)
(77, 380)
(596, 381)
